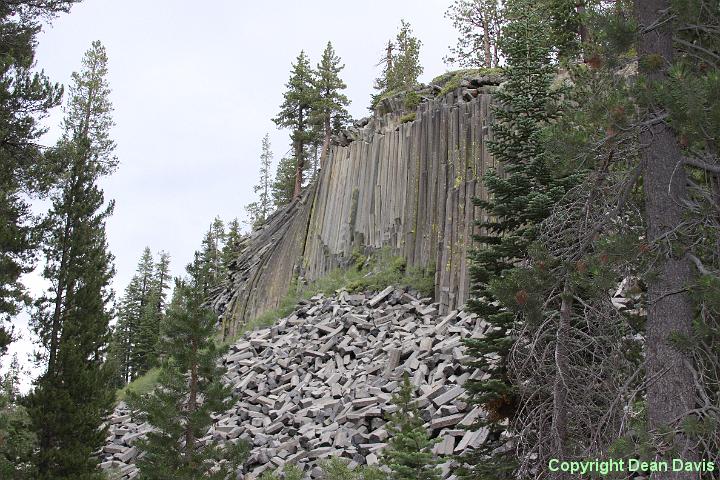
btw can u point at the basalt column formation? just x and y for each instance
(397, 181)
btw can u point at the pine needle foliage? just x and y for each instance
(189, 391)
(521, 194)
(409, 454)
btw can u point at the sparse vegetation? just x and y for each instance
(289, 472)
(141, 385)
(338, 469)
(408, 117)
(450, 81)
(371, 272)
(412, 100)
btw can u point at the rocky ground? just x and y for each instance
(318, 384)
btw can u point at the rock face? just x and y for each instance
(319, 383)
(407, 187)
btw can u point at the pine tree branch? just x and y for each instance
(713, 168)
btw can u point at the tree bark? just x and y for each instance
(299, 156)
(582, 29)
(326, 143)
(486, 39)
(670, 393)
(299, 167)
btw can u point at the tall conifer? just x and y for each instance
(329, 110)
(401, 64)
(25, 97)
(73, 395)
(519, 198)
(152, 316)
(299, 97)
(190, 390)
(233, 243)
(478, 23)
(260, 209)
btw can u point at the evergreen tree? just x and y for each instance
(283, 186)
(212, 265)
(329, 110)
(519, 198)
(676, 210)
(25, 97)
(299, 98)
(567, 25)
(17, 440)
(134, 305)
(233, 243)
(152, 315)
(259, 210)
(190, 390)
(409, 454)
(602, 232)
(73, 395)
(401, 65)
(478, 23)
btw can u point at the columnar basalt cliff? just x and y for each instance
(392, 181)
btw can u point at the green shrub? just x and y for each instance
(289, 472)
(408, 117)
(338, 469)
(412, 100)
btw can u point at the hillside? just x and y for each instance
(318, 384)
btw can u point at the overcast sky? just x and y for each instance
(195, 85)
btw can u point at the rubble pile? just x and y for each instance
(319, 384)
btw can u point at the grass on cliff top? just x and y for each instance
(450, 81)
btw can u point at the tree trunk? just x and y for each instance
(326, 143)
(486, 40)
(299, 167)
(582, 29)
(670, 393)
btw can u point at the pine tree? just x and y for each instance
(478, 23)
(233, 243)
(152, 315)
(401, 63)
(672, 397)
(519, 198)
(212, 265)
(601, 233)
(259, 210)
(135, 304)
(17, 440)
(25, 97)
(329, 110)
(299, 98)
(409, 454)
(283, 186)
(73, 395)
(190, 390)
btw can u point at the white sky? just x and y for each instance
(195, 85)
